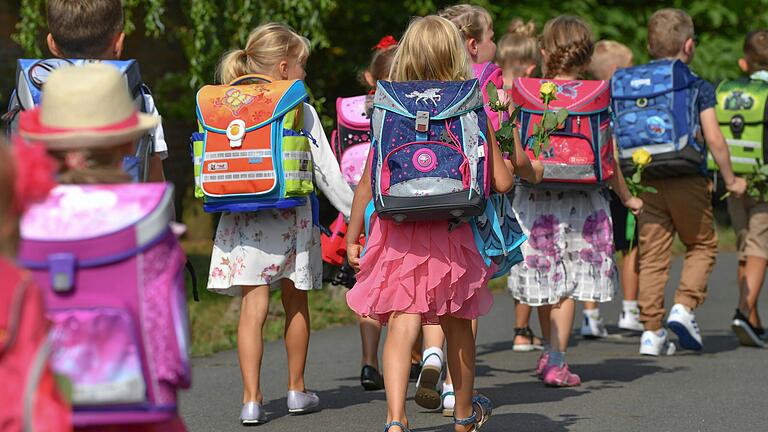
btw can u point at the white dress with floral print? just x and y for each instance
(260, 248)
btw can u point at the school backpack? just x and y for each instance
(741, 112)
(251, 152)
(581, 151)
(487, 73)
(31, 74)
(654, 107)
(430, 150)
(112, 273)
(31, 399)
(352, 138)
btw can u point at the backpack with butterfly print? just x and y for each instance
(251, 152)
(581, 150)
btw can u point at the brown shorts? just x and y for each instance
(750, 221)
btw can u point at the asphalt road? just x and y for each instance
(721, 389)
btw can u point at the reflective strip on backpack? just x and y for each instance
(240, 175)
(298, 175)
(243, 154)
(744, 143)
(297, 155)
(743, 160)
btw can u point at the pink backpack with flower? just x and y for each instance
(581, 151)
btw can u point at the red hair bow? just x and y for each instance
(35, 174)
(385, 42)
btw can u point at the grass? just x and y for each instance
(214, 319)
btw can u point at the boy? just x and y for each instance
(750, 218)
(609, 56)
(682, 205)
(93, 29)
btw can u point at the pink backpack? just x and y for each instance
(352, 138)
(30, 399)
(486, 73)
(582, 151)
(112, 273)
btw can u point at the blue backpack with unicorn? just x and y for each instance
(31, 74)
(655, 108)
(430, 152)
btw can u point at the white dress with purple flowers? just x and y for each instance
(260, 248)
(569, 252)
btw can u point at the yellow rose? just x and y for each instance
(548, 90)
(641, 158)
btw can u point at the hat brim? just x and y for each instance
(81, 139)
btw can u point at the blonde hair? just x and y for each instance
(472, 21)
(668, 29)
(267, 45)
(519, 48)
(92, 166)
(609, 55)
(431, 49)
(9, 220)
(567, 44)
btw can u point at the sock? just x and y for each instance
(433, 356)
(447, 388)
(592, 313)
(629, 305)
(556, 358)
(449, 401)
(547, 349)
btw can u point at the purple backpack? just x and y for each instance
(112, 273)
(430, 150)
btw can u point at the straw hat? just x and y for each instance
(85, 107)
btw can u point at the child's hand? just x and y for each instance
(353, 255)
(737, 187)
(635, 205)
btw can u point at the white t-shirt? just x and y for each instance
(158, 136)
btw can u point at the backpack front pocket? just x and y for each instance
(646, 126)
(98, 351)
(424, 168)
(569, 158)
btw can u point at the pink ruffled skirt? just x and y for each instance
(421, 268)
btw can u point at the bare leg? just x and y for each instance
(590, 305)
(544, 313)
(402, 333)
(522, 320)
(370, 332)
(630, 275)
(751, 282)
(416, 350)
(296, 333)
(561, 324)
(250, 345)
(448, 379)
(461, 359)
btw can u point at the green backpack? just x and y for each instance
(741, 112)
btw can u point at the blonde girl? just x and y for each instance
(431, 49)
(518, 52)
(275, 248)
(558, 221)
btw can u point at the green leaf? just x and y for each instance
(650, 189)
(562, 115)
(637, 177)
(549, 120)
(493, 92)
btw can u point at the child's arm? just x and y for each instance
(530, 171)
(619, 185)
(362, 197)
(717, 145)
(501, 176)
(156, 169)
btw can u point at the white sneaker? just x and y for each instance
(653, 344)
(592, 327)
(629, 319)
(683, 323)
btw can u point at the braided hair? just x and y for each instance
(567, 44)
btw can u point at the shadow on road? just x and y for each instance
(519, 422)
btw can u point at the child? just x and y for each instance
(101, 39)
(23, 326)
(556, 222)
(432, 50)
(518, 55)
(611, 55)
(254, 251)
(476, 27)
(518, 52)
(370, 329)
(750, 217)
(679, 201)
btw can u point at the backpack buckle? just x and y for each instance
(62, 269)
(235, 133)
(422, 121)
